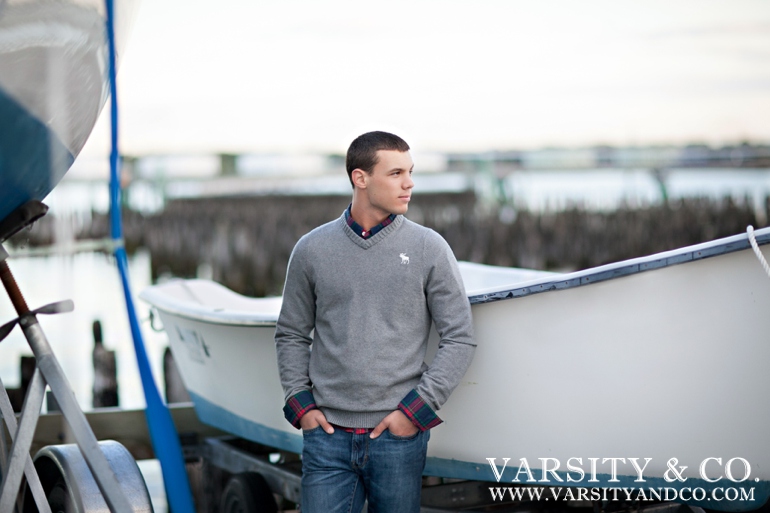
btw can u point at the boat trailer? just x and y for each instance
(82, 477)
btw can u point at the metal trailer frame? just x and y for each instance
(17, 463)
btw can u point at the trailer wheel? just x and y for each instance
(247, 492)
(70, 487)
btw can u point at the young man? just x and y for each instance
(364, 290)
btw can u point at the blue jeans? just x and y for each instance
(340, 471)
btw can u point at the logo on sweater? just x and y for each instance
(404, 258)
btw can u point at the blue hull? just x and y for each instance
(32, 158)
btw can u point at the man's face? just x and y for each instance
(389, 187)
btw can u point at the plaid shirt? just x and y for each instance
(360, 229)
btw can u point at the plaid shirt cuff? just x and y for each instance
(418, 411)
(298, 405)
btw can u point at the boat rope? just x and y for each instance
(755, 247)
(165, 441)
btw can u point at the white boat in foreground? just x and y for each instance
(658, 361)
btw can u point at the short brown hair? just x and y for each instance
(362, 153)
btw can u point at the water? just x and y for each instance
(534, 190)
(607, 189)
(91, 280)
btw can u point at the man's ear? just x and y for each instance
(359, 178)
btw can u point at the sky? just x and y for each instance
(248, 76)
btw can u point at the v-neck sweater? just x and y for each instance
(367, 306)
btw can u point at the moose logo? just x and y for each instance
(404, 258)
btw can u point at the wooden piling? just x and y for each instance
(245, 242)
(105, 387)
(27, 366)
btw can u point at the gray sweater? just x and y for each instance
(366, 306)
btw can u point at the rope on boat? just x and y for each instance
(755, 247)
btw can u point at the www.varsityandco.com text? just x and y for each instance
(597, 479)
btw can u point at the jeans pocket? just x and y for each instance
(306, 432)
(403, 438)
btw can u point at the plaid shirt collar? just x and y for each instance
(360, 230)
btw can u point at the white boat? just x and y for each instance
(661, 359)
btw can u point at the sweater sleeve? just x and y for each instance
(293, 331)
(451, 314)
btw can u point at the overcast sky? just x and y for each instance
(299, 76)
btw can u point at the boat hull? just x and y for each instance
(667, 364)
(53, 85)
